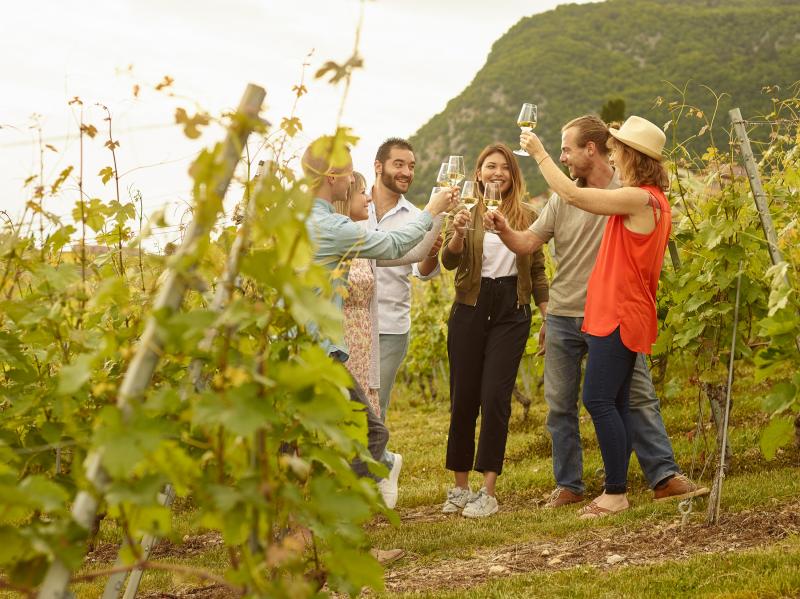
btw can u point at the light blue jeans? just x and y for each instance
(393, 351)
(566, 346)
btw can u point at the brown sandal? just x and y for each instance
(592, 510)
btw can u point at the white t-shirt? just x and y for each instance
(498, 261)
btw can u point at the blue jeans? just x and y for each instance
(393, 350)
(566, 346)
(606, 387)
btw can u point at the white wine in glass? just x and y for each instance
(455, 170)
(442, 179)
(526, 121)
(469, 194)
(491, 198)
(469, 197)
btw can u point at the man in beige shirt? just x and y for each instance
(576, 236)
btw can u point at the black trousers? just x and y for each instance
(485, 344)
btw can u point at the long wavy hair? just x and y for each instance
(637, 168)
(517, 214)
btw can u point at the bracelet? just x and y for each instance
(539, 162)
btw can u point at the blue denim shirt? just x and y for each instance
(338, 240)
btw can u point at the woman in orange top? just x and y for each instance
(620, 314)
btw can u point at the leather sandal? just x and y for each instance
(593, 510)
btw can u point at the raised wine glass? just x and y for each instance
(455, 170)
(526, 121)
(442, 179)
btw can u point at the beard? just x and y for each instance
(388, 181)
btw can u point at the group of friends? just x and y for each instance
(608, 224)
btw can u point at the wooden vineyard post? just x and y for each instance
(221, 296)
(146, 357)
(759, 196)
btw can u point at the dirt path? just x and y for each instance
(605, 548)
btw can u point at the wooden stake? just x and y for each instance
(221, 297)
(148, 351)
(758, 193)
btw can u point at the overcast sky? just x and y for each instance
(417, 55)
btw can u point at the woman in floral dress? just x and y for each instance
(361, 303)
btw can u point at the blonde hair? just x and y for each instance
(343, 206)
(519, 215)
(324, 158)
(637, 169)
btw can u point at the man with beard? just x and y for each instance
(576, 235)
(389, 210)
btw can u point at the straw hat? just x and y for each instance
(642, 135)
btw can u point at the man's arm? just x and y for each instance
(541, 293)
(530, 240)
(428, 266)
(520, 242)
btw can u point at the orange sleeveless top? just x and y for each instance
(622, 286)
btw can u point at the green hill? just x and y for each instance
(573, 59)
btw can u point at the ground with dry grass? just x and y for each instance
(652, 550)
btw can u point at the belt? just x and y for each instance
(500, 280)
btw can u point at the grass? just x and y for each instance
(757, 574)
(419, 432)
(435, 543)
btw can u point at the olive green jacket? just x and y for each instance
(531, 278)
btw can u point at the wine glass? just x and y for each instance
(527, 122)
(492, 198)
(469, 194)
(469, 197)
(442, 179)
(455, 170)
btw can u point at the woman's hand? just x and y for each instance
(461, 222)
(443, 200)
(532, 144)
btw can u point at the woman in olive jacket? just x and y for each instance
(488, 328)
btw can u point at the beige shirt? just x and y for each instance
(576, 235)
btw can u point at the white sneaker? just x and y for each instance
(388, 486)
(457, 498)
(481, 506)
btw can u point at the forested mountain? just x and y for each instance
(575, 58)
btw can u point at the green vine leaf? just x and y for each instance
(779, 433)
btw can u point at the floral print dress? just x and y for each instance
(358, 327)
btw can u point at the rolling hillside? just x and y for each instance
(571, 60)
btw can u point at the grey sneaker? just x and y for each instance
(457, 498)
(481, 506)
